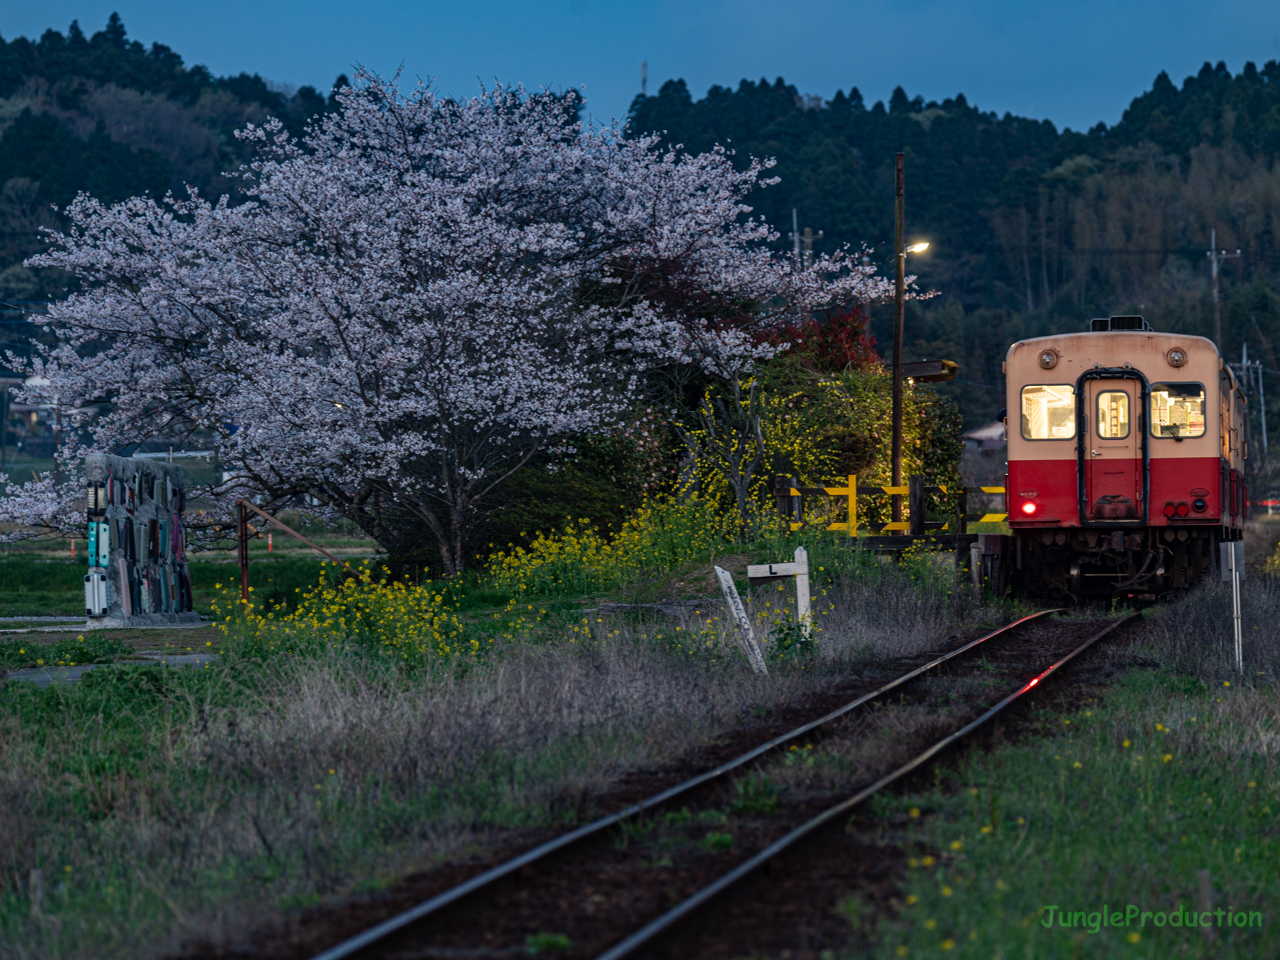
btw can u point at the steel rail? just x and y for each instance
(451, 896)
(646, 935)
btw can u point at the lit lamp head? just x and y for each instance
(918, 248)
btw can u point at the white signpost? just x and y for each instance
(1232, 568)
(739, 614)
(768, 572)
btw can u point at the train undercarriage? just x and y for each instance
(1100, 564)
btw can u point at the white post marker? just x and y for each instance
(739, 614)
(768, 572)
(1232, 564)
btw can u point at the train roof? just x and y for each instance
(1118, 337)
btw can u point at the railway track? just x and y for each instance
(598, 881)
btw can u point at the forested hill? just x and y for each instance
(979, 185)
(109, 116)
(835, 157)
(1032, 228)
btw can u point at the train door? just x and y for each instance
(1113, 450)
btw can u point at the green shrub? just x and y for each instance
(660, 536)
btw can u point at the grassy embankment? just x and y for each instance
(1118, 805)
(376, 730)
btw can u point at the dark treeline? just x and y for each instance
(108, 116)
(1032, 229)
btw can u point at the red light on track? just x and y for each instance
(1034, 682)
(1029, 507)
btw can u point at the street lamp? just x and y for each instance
(899, 319)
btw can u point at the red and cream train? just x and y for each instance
(1126, 460)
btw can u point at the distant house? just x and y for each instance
(985, 438)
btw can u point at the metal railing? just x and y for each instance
(790, 501)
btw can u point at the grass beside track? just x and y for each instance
(36, 587)
(162, 806)
(1121, 812)
(1173, 773)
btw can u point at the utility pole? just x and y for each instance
(1262, 411)
(801, 247)
(1215, 255)
(795, 251)
(644, 78)
(1250, 376)
(802, 243)
(899, 319)
(806, 241)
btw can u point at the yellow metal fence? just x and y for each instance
(791, 505)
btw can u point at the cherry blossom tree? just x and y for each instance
(419, 296)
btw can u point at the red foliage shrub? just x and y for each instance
(835, 342)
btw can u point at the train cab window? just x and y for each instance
(1177, 409)
(1113, 415)
(1049, 411)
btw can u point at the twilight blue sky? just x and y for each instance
(1073, 61)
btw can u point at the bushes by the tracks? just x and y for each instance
(368, 614)
(662, 534)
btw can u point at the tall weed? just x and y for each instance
(1196, 633)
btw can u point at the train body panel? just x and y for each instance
(1126, 460)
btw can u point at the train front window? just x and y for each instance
(1049, 411)
(1113, 415)
(1177, 409)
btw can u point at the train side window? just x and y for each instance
(1049, 411)
(1177, 409)
(1113, 415)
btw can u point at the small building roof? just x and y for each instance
(986, 433)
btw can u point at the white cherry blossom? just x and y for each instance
(419, 295)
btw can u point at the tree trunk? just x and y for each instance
(733, 440)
